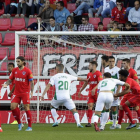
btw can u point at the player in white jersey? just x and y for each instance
(105, 98)
(114, 71)
(62, 83)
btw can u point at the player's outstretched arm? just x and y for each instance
(82, 79)
(32, 87)
(46, 89)
(127, 89)
(11, 91)
(6, 83)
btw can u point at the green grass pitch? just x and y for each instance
(67, 132)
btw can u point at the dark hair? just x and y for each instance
(61, 3)
(60, 67)
(115, 22)
(100, 23)
(105, 57)
(126, 60)
(111, 57)
(72, 22)
(107, 75)
(94, 63)
(128, 23)
(22, 59)
(52, 17)
(124, 73)
(120, 1)
(86, 18)
(9, 64)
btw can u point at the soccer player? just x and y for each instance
(133, 75)
(23, 81)
(94, 77)
(62, 83)
(105, 98)
(105, 62)
(134, 100)
(114, 71)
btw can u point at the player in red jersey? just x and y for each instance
(134, 100)
(133, 75)
(94, 77)
(23, 81)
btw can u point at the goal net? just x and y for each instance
(43, 50)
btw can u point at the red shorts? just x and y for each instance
(17, 98)
(135, 101)
(91, 99)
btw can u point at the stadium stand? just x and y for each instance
(5, 24)
(94, 21)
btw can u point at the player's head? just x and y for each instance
(92, 65)
(126, 63)
(104, 60)
(59, 68)
(11, 66)
(123, 74)
(111, 61)
(107, 75)
(20, 61)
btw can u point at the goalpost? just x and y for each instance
(43, 50)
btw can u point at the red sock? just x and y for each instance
(128, 112)
(89, 116)
(0, 120)
(29, 118)
(120, 117)
(138, 113)
(16, 114)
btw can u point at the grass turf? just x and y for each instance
(67, 132)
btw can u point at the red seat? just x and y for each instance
(85, 14)
(106, 21)
(71, 7)
(0, 38)
(5, 24)
(31, 20)
(22, 40)
(3, 69)
(4, 51)
(9, 39)
(12, 55)
(29, 53)
(2, 11)
(94, 21)
(18, 24)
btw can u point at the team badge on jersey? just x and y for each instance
(94, 76)
(16, 72)
(23, 72)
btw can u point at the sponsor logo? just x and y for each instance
(23, 72)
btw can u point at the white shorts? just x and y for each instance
(104, 99)
(116, 102)
(68, 103)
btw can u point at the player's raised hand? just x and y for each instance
(4, 85)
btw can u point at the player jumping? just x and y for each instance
(23, 79)
(105, 98)
(94, 77)
(134, 100)
(133, 75)
(62, 83)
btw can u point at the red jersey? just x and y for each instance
(134, 86)
(132, 74)
(119, 16)
(94, 79)
(22, 80)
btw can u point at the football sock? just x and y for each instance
(96, 118)
(114, 117)
(101, 118)
(76, 116)
(105, 118)
(29, 118)
(121, 114)
(138, 113)
(128, 112)
(89, 116)
(54, 114)
(16, 114)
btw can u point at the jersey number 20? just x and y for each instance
(63, 85)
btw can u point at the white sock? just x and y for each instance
(54, 114)
(0, 127)
(105, 118)
(114, 116)
(76, 116)
(95, 118)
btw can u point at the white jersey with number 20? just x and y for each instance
(62, 83)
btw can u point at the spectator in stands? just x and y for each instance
(34, 8)
(25, 7)
(45, 12)
(85, 26)
(53, 26)
(118, 14)
(108, 5)
(11, 8)
(83, 7)
(134, 15)
(97, 8)
(128, 27)
(100, 27)
(61, 13)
